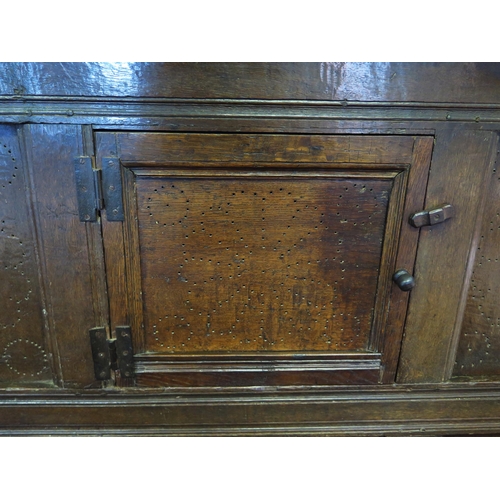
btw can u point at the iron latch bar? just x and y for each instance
(432, 217)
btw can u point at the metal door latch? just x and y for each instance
(432, 217)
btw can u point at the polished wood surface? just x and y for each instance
(375, 82)
(479, 344)
(24, 356)
(446, 252)
(424, 361)
(64, 258)
(270, 243)
(240, 148)
(427, 410)
(260, 265)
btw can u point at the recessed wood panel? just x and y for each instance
(251, 264)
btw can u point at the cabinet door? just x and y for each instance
(246, 260)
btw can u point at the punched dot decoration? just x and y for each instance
(231, 265)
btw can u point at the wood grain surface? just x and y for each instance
(412, 410)
(262, 243)
(479, 346)
(65, 266)
(312, 129)
(461, 161)
(25, 357)
(258, 265)
(339, 81)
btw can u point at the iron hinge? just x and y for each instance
(112, 188)
(112, 354)
(98, 188)
(88, 188)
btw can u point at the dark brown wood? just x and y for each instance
(251, 258)
(114, 254)
(420, 411)
(461, 160)
(250, 116)
(338, 81)
(132, 254)
(270, 276)
(417, 185)
(479, 346)
(258, 370)
(260, 149)
(96, 252)
(65, 266)
(24, 355)
(317, 127)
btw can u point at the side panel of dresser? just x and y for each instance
(25, 359)
(478, 353)
(67, 268)
(460, 169)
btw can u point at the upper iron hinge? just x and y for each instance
(88, 188)
(112, 353)
(98, 188)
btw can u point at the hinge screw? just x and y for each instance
(103, 374)
(125, 353)
(87, 217)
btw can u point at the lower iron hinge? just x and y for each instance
(112, 354)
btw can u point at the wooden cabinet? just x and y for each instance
(260, 259)
(204, 258)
